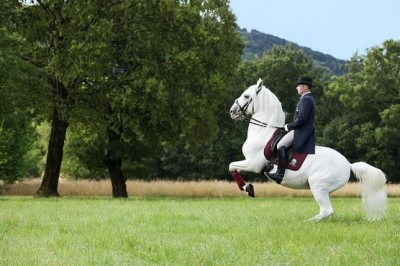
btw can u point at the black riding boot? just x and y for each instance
(280, 172)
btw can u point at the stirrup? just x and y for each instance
(276, 177)
(268, 167)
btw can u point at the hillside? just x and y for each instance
(257, 43)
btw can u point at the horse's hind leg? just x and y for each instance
(325, 207)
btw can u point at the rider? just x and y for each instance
(301, 132)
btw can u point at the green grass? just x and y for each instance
(184, 231)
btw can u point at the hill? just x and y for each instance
(257, 43)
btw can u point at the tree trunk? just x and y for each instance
(113, 163)
(49, 185)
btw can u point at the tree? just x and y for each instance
(70, 40)
(370, 95)
(174, 61)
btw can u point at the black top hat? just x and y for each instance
(305, 81)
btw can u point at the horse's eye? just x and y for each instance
(246, 96)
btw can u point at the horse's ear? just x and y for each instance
(260, 84)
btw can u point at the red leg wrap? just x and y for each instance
(238, 178)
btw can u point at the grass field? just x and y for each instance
(193, 231)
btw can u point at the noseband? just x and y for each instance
(243, 109)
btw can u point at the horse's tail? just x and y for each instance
(373, 192)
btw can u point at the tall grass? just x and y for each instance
(178, 189)
(193, 231)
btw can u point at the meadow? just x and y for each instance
(238, 230)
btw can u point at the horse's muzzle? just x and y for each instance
(235, 112)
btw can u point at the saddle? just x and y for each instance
(295, 160)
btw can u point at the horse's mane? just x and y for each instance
(268, 108)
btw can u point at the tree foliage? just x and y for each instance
(174, 63)
(20, 110)
(370, 96)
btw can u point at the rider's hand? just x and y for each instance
(286, 128)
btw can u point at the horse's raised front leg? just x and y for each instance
(244, 166)
(235, 168)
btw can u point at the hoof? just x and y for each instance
(250, 190)
(320, 217)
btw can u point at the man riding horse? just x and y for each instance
(300, 132)
(321, 169)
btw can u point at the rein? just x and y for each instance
(257, 122)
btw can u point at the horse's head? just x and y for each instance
(261, 105)
(244, 105)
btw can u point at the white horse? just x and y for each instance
(323, 172)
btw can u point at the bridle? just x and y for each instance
(243, 109)
(243, 116)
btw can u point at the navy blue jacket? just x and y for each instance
(303, 125)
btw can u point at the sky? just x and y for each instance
(340, 28)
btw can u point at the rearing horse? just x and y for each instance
(323, 172)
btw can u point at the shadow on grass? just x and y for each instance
(350, 220)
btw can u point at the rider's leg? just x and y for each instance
(280, 172)
(286, 141)
(282, 161)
